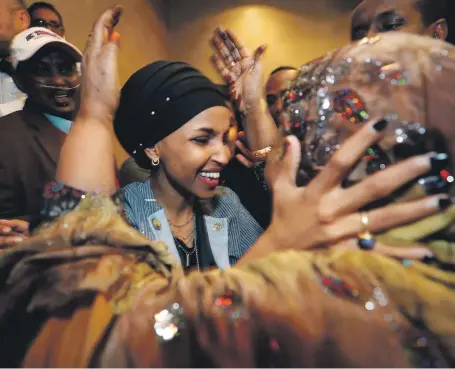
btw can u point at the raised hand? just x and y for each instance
(325, 213)
(240, 68)
(100, 84)
(87, 157)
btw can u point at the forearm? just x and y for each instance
(267, 243)
(260, 128)
(87, 157)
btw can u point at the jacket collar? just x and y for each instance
(47, 136)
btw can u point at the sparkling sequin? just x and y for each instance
(231, 304)
(169, 322)
(370, 305)
(350, 107)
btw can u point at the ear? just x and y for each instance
(439, 29)
(18, 81)
(152, 153)
(22, 20)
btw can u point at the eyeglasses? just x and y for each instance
(42, 23)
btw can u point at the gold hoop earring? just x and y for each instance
(155, 162)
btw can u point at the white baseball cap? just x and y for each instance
(27, 43)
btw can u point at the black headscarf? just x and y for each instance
(157, 100)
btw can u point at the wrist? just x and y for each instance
(92, 114)
(253, 108)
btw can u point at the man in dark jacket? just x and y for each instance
(45, 68)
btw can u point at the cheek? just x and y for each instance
(186, 160)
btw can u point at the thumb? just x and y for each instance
(287, 174)
(259, 52)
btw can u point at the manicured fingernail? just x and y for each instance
(380, 125)
(433, 185)
(6, 230)
(439, 162)
(445, 203)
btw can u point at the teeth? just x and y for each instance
(61, 94)
(210, 174)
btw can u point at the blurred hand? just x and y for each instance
(240, 69)
(12, 231)
(324, 213)
(100, 83)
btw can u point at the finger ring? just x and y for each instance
(365, 239)
(365, 221)
(232, 64)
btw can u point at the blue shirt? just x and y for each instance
(61, 124)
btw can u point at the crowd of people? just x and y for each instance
(306, 219)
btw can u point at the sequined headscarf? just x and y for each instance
(404, 78)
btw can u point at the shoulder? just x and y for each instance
(14, 134)
(13, 121)
(136, 190)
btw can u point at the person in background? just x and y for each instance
(45, 15)
(423, 17)
(277, 83)
(13, 19)
(31, 139)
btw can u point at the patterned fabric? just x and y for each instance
(59, 199)
(140, 203)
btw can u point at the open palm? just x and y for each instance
(240, 69)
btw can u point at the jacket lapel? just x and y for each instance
(157, 224)
(48, 138)
(217, 231)
(162, 231)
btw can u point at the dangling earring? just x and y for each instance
(435, 35)
(155, 161)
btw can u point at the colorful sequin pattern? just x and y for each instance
(334, 96)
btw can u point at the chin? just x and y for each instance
(63, 110)
(206, 195)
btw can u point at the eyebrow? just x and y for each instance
(209, 131)
(387, 13)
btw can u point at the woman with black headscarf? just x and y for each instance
(174, 121)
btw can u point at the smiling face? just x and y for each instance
(377, 16)
(193, 156)
(51, 80)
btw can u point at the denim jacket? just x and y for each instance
(230, 228)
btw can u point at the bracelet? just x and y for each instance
(261, 155)
(247, 111)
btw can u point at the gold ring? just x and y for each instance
(365, 239)
(261, 155)
(365, 222)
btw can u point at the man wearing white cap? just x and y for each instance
(30, 140)
(14, 18)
